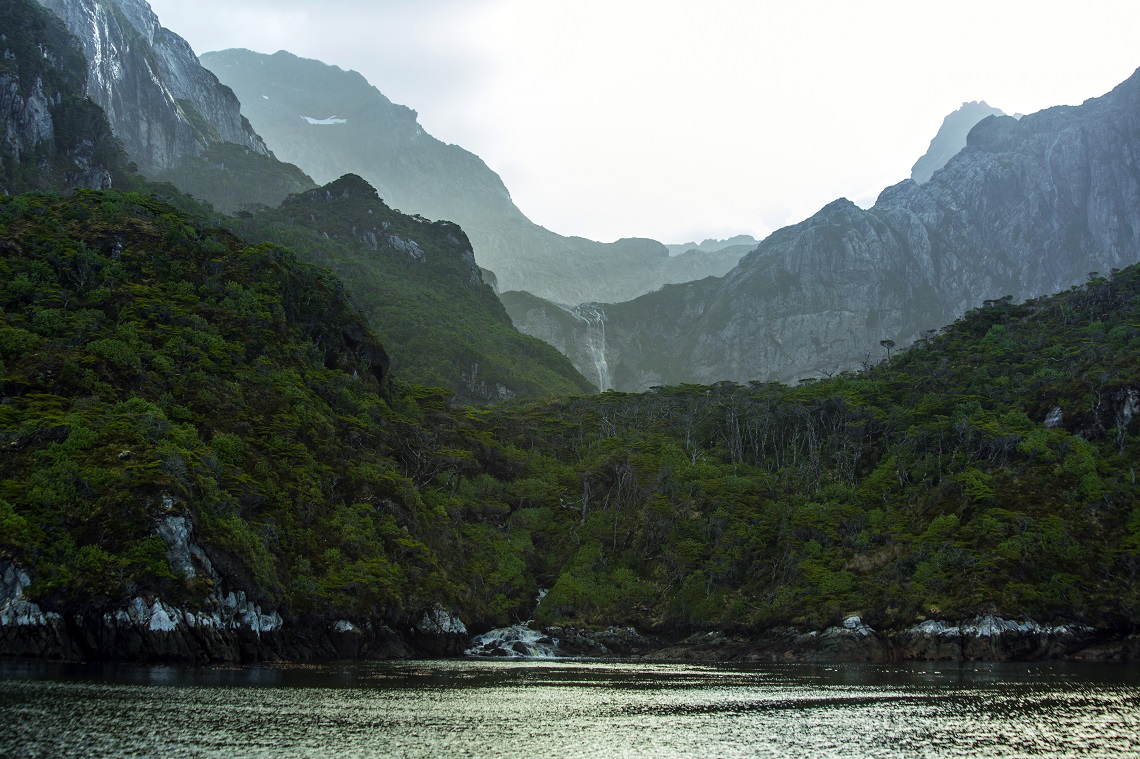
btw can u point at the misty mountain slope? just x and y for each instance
(646, 339)
(170, 112)
(1028, 207)
(417, 283)
(332, 122)
(236, 178)
(697, 263)
(951, 138)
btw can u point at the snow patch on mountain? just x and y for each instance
(324, 122)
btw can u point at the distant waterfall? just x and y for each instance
(595, 320)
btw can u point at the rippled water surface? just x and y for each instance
(531, 709)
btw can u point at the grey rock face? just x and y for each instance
(951, 138)
(441, 633)
(27, 120)
(293, 102)
(25, 628)
(41, 105)
(1028, 208)
(160, 101)
(991, 639)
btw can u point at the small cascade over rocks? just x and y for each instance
(514, 642)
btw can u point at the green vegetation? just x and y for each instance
(155, 364)
(419, 286)
(416, 281)
(928, 486)
(157, 359)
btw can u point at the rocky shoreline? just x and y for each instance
(230, 627)
(988, 638)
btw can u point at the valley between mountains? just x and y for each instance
(282, 376)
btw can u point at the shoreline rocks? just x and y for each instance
(232, 628)
(987, 638)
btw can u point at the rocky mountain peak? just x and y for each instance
(348, 186)
(951, 138)
(1027, 207)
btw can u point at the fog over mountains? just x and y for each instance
(332, 122)
(1029, 207)
(1023, 209)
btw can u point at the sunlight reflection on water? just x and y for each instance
(478, 708)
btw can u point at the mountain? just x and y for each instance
(206, 459)
(172, 115)
(951, 138)
(713, 246)
(1030, 206)
(698, 263)
(332, 122)
(417, 283)
(161, 103)
(53, 136)
(578, 332)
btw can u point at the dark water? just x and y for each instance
(540, 709)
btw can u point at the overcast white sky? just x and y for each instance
(681, 120)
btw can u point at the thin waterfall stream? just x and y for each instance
(595, 320)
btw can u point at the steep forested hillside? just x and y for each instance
(151, 364)
(442, 325)
(988, 469)
(156, 367)
(419, 286)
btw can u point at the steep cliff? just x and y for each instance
(160, 101)
(332, 122)
(1028, 207)
(51, 136)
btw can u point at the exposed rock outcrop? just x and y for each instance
(225, 625)
(440, 633)
(160, 101)
(25, 629)
(987, 638)
(51, 136)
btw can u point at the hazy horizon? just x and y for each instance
(663, 120)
